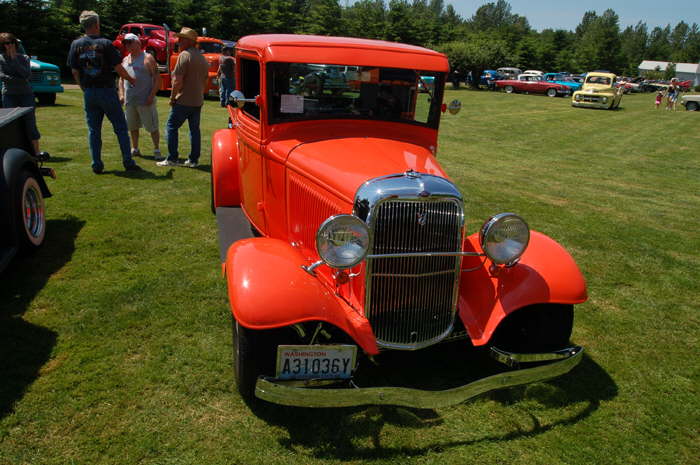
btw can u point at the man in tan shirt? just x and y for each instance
(189, 79)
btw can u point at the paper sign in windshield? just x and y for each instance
(292, 103)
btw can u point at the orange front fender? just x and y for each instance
(267, 289)
(546, 273)
(224, 168)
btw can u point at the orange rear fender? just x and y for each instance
(224, 168)
(268, 289)
(546, 273)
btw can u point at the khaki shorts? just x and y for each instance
(145, 116)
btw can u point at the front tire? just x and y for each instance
(551, 92)
(46, 99)
(246, 363)
(536, 328)
(30, 218)
(255, 355)
(692, 106)
(509, 89)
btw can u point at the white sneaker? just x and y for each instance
(156, 155)
(135, 152)
(190, 164)
(166, 162)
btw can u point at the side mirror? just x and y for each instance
(238, 99)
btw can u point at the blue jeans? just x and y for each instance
(23, 100)
(225, 88)
(178, 115)
(98, 103)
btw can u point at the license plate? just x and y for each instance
(315, 362)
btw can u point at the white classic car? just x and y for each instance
(691, 102)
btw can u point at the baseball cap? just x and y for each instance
(130, 36)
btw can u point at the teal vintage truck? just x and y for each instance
(45, 79)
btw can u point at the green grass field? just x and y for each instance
(115, 342)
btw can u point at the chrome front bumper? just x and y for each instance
(562, 362)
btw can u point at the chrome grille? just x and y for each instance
(410, 301)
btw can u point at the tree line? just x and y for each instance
(492, 37)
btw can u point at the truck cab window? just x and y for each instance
(250, 84)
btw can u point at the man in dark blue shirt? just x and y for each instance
(92, 59)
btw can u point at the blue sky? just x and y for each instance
(567, 14)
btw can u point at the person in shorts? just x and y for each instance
(139, 99)
(672, 96)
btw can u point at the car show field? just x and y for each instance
(115, 336)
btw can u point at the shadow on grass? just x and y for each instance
(46, 105)
(25, 347)
(333, 433)
(143, 174)
(57, 159)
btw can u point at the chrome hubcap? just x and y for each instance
(33, 212)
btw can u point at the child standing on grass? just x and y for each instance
(659, 98)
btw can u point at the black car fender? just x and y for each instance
(14, 161)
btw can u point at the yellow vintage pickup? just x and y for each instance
(598, 91)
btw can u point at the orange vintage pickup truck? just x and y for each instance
(211, 49)
(343, 239)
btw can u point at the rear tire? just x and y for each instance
(30, 218)
(692, 106)
(211, 190)
(509, 89)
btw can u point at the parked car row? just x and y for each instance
(533, 84)
(641, 84)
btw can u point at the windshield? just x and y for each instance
(599, 80)
(149, 31)
(306, 91)
(210, 47)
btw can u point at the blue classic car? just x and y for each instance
(45, 79)
(563, 80)
(490, 77)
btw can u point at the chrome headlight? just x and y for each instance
(342, 241)
(504, 238)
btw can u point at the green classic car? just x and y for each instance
(598, 91)
(45, 79)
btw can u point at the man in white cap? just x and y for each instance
(92, 59)
(139, 100)
(189, 79)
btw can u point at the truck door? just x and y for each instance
(250, 161)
